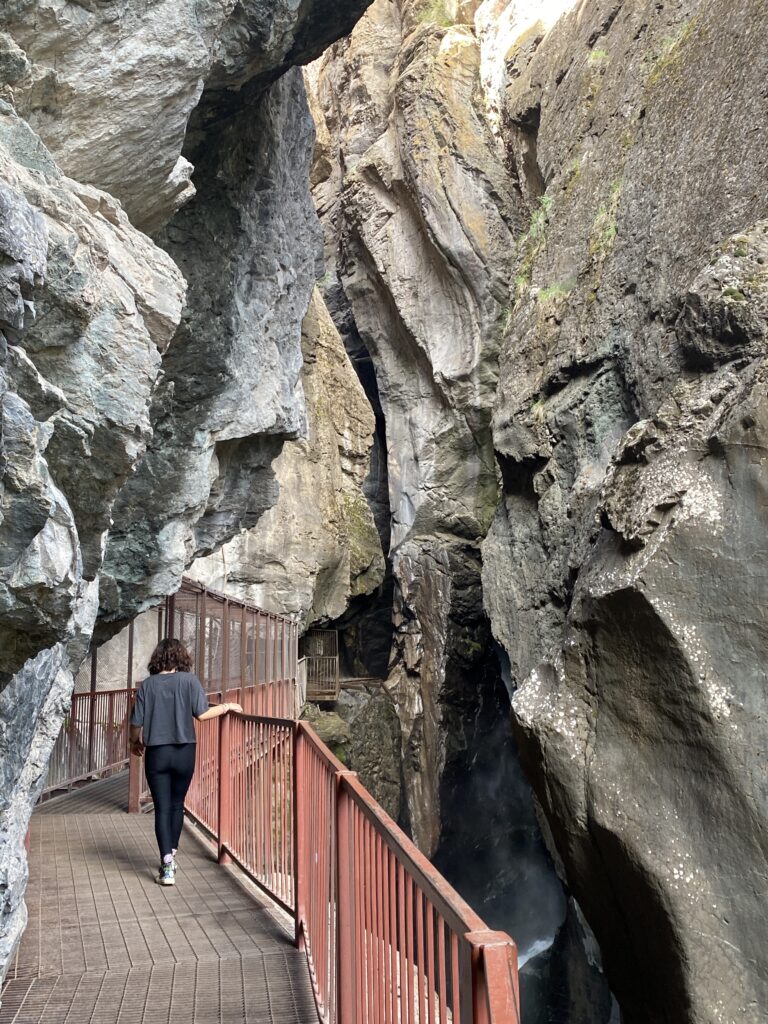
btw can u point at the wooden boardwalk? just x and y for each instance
(106, 945)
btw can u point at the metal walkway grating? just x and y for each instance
(106, 945)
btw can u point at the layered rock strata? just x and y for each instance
(615, 154)
(426, 225)
(420, 218)
(317, 547)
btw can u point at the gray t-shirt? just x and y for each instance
(165, 706)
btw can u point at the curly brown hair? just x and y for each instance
(169, 656)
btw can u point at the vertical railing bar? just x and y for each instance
(201, 611)
(92, 709)
(385, 934)
(225, 646)
(402, 963)
(243, 650)
(431, 983)
(379, 926)
(370, 900)
(420, 953)
(357, 965)
(393, 931)
(456, 1001)
(298, 836)
(129, 680)
(441, 970)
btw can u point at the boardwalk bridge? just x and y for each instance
(298, 899)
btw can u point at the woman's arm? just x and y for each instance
(137, 747)
(217, 709)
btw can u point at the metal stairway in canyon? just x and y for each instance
(298, 899)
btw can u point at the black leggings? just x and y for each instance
(169, 768)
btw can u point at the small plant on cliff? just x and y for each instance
(572, 175)
(532, 242)
(540, 217)
(556, 292)
(602, 235)
(604, 226)
(436, 13)
(671, 51)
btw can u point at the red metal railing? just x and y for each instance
(278, 699)
(387, 940)
(243, 794)
(93, 740)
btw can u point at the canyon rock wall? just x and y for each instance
(625, 570)
(87, 301)
(421, 219)
(146, 385)
(426, 223)
(317, 547)
(557, 210)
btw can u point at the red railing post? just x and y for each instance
(225, 647)
(299, 833)
(72, 738)
(346, 946)
(109, 734)
(92, 710)
(225, 787)
(201, 628)
(495, 995)
(134, 784)
(129, 681)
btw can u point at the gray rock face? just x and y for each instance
(111, 87)
(426, 222)
(318, 546)
(87, 301)
(626, 426)
(223, 410)
(363, 731)
(90, 305)
(624, 570)
(412, 190)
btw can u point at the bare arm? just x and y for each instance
(217, 709)
(137, 746)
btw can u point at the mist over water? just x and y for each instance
(492, 851)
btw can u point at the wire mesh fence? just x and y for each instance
(239, 652)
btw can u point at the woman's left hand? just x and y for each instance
(137, 748)
(235, 707)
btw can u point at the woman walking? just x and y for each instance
(167, 701)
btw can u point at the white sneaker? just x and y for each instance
(166, 875)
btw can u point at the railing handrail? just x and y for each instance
(494, 996)
(450, 905)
